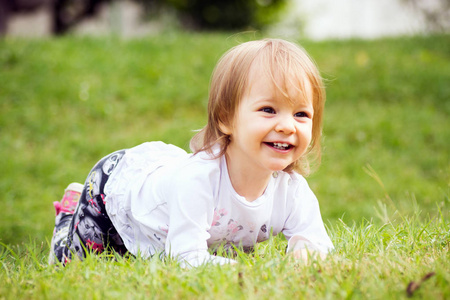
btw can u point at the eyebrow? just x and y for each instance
(303, 103)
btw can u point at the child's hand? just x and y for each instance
(305, 254)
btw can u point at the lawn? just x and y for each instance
(383, 184)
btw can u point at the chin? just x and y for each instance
(278, 168)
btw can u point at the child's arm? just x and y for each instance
(191, 209)
(304, 227)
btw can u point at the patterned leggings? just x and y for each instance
(89, 229)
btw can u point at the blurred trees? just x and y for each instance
(436, 13)
(227, 14)
(67, 13)
(192, 14)
(9, 7)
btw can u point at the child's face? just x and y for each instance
(270, 131)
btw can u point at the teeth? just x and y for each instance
(281, 145)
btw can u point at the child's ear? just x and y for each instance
(225, 128)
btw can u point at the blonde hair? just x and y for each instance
(281, 60)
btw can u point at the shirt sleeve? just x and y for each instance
(191, 207)
(304, 227)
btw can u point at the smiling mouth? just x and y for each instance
(280, 146)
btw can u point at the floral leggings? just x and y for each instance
(89, 229)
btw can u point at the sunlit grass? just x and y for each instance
(408, 256)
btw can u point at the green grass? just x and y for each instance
(66, 102)
(370, 262)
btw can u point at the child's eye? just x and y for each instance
(301, 114)
(268, 110)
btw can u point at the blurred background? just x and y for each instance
(316, 19)
(82, 78)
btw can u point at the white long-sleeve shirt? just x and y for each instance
(164, 200)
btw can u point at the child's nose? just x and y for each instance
(285, 125)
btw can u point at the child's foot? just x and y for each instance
(67, 206)
(70, 199)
